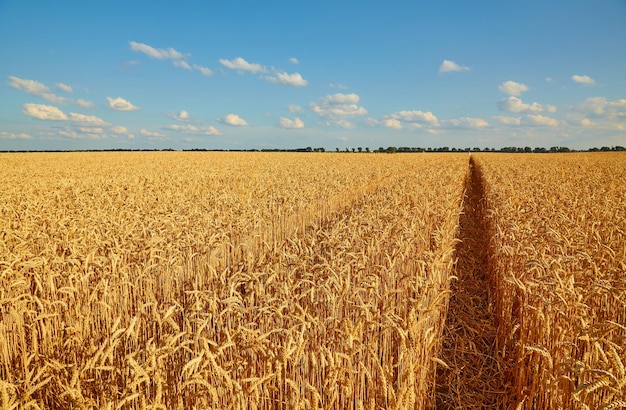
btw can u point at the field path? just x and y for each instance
(475, 379)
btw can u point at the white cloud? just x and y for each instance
(182, 115)
(343, 123)
(11, 136)
(121, 104)
(152, 134)
(392, 123)
(192, 129)
(234, 119)
(583, 79)
(240, 64)
(87, 119)
(118, 129)
(83, 103)
(91, 130)
(450, 66)
(340, 86)
(415, 116)
(291, 124)
(466, 122)
(371, 122)
(294, 60)
(64, 87)
(43, 112)
(182, 64)
(293, 108)
(601, 107)
(282, 78)
(516, 105)
(508, 120)
(512, 88)
(338, 106)
(36, 89)
(536, 119)
(205, 71)
(158, 53)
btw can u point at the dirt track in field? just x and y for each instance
(475, 379)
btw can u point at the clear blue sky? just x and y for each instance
(289, 74)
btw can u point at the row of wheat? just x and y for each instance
(557, 264)
(230, 280)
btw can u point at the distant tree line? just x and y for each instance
(388, 150)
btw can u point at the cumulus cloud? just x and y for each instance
(181, 64)
(35, 88)
(466, 122)
(338, 106)
(64, 87)
(240, 64)
(120, 104)
(601, 107)
(289, 123)
(450, 66)
(158, 53)
(508, 120)
(118, 129)
(87, 119)
(151, 134)
(192, 129)
(83, 103)
(43, 112)
(343, 123)
(583, 79)
(234, 119)
(12, 136)
(282, 78)
(516, 105)
(205, 71)
(392, 123)
(294, 60)
(180, 116)
(535, 119)
(415, 116)
(293, 108)
(513, 88)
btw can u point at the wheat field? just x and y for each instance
(199, 280)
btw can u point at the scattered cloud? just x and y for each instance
(64, 87)
(535, 119)
(601, 107)
(450, 66)
(118, 129)
(158, 53)
(205, 71)
(83, 103)
(120, 104)
(242, 65)
(283, 78)
(152, 134)
(508, 120)
(12, 136)
(87, 119)
(415, 116)
(466, 123)
(181, 64)
(516, 105)
(583, 79)
(293, 108)
(392, 123)
(37, 89)
(192, 129)
(234, 119)
(44, 112)
(513, 88)
(337, 106)
(340, 86)
(343, 123)
(290, 124)
(294, 60)
(181, 116)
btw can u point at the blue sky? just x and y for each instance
(249, 74)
